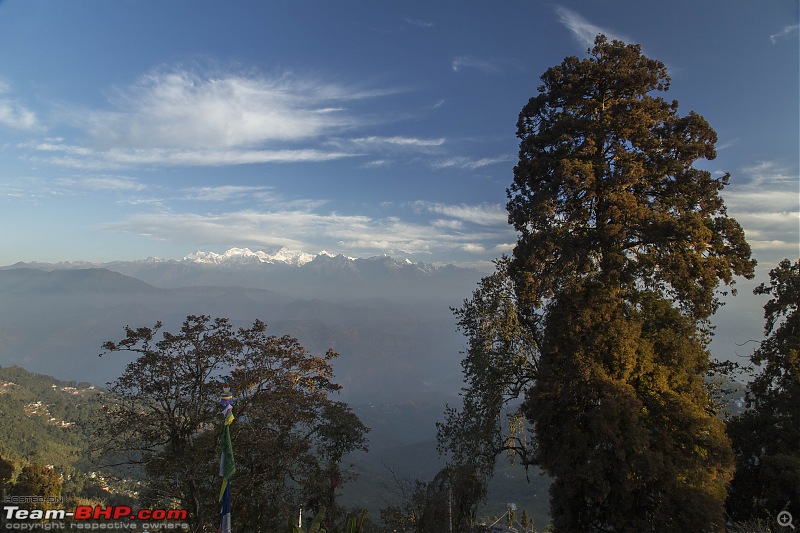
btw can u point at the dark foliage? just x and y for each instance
(288, 438)
(766, 437)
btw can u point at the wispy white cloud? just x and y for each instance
(144, 201)
(769, 175)
(224, 193)
(177, 117)
(785, 33)
(19, 189)
(386, 150)
(483, 214)
(727, 144)
(473, 248)
(377, 163)
(182, 109)
(298, 229)
(103, 183)
(419, 22)
(487, 66)
(470, 163)
(108, 187)
(448, 223)
(583, 30)
(14, 114)
(405, 142)
(83, 157)
(504, 248)
(239, 194)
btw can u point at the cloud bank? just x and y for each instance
(768, 208)
(181, 117)
(183, 109)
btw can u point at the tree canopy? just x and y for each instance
(606, 187)
(289, 436)
(39, 480)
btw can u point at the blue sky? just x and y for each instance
(131, 128)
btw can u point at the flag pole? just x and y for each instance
(227, 467)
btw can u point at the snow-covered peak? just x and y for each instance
(292, 257)
(325, 253)
(244, 256)
(234, 255)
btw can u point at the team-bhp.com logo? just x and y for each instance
(120, 517)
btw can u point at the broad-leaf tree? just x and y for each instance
(288, 438)
(500, 364)
(766, 437)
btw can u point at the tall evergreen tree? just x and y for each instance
(605, 187)
(622, 246)
(766, 437)
(623, 243)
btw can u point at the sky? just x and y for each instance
(132, 128)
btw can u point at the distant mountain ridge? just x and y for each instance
(237, 257)
(391, 321)
(297, 274)
(84, 280)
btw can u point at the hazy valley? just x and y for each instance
(390, 321)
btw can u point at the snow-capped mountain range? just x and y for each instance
(238, 256)
(245, 256)
(292, 272)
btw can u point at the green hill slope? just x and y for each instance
(45, 420)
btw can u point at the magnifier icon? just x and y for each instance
(785, 519)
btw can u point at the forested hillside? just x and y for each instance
(46, 432)
(45, 420)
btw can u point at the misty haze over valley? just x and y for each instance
(390, 321)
